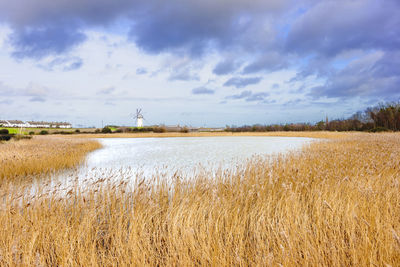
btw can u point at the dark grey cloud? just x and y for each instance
(196, 25)
(46, 27)
(249, 96)
(226, 67)
(330, 27)
(373, 76)
(202, 91)
(270, 61)
(47, 40)
(264, 36)
(240, 82)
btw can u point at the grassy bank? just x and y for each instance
(26, 131)
(335, 203)
(41, 155)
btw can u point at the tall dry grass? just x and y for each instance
(312, 134)
(336, 203)
(42, 155)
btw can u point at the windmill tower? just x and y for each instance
(139, 118)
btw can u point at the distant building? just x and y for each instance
(13, 123)
(38, 124)
(34, 124)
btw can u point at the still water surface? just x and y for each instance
(185, 153)
(131, 159)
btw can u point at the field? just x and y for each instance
(335, 203)
(50, 130)
(42, 155)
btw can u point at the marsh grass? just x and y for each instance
(312, 134)
(42, 155)
(336, 203)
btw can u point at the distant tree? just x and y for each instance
(106, 130)
(184, 129)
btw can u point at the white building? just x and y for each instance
(13, 123)
(34, 124)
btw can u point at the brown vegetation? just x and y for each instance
(320, 134)
(336, 203)
(42, 155)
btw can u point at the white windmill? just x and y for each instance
(139, 118)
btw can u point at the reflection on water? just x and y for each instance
(129, 159)
(183, 154)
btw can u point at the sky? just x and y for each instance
(196, 63)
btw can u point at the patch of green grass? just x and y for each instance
(26, 131)
(13, 130)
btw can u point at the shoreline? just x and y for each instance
(321, 135)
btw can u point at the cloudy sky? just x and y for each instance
(199, 63)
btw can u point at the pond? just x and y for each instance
(183, 154)
(132, 159)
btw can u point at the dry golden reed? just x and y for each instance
(42, 155)
(315, 134)
(335, 203)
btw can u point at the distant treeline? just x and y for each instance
(384, 117)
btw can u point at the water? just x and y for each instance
(185, 153)
(126, 159)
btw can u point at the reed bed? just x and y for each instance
(42, 155)
(315, 134)
(335, 203)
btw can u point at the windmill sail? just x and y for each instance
(139, 118)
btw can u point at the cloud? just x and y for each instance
(339, 49)
(182, 69)
(242, 95)
(47, 40)
(239, 82)
(192, 26)
(249, 96)
(34, 89)
(226, 67)
(63, 64)
(330, 27)
(257, 97)
(106, 91)
(270, 61)
(6, 102)
(375, 75)
(275, 86)
(44, 27)
(73, 65)
(202, 91)
(141, 71)
(183, 75)
(37, 99)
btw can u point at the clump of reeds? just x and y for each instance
(42, 155)
(336, 203)
(312, 134)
